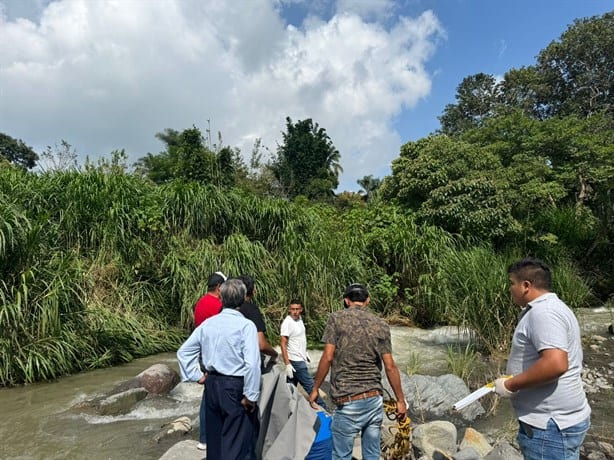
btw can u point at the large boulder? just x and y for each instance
(114, 404)
(435, 438)
(475, 440)
(158, 379)
(431, 398)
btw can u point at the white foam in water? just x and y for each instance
(142, 412)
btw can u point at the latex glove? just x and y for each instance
(290, 371)
(501, 389)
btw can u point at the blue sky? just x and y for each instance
(107, 75)
(490, 37)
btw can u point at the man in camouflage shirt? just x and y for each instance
(356, 344)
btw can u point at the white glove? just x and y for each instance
(500, 388)
(290, 371)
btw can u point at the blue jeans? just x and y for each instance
(363, 416)
(552, 443)
(302, 376)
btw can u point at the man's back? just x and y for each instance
(360, 339)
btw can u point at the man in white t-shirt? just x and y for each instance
(294, 348)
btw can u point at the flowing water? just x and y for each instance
(36, 421)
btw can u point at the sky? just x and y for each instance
(105, 75)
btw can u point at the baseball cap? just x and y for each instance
(216, 279)
(355, 288)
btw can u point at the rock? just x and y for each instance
(475, 440)
(159, 379)
(175, 429)
(125, 386)
(435, 436)
(184, 450)
(121, 403)
(187, 391)
(467, 453)
(503, 451)
(432, 398)
(440, 455)
(114, 404)
(597, 450)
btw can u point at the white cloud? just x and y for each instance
(502, 48)
(110, 74)
(367, 9)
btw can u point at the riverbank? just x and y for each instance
(36, 423)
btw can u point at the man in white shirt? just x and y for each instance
(546, 365)
(294, 348)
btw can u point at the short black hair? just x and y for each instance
(215, 280)
(533, 270)
(356, 293)
(249, 284)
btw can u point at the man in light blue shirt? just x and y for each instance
(228, 345)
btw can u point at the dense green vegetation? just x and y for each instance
(99, 264)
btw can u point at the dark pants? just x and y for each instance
(232, 432)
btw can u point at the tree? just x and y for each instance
(189, 159)
(61, 157)
(455, 185)
(578, 67)
(17, 152)
(369, 185)
(476, 99)
(307, 163)
(571, 76)
(524, 90)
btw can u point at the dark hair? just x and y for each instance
(356, 293)
(297, 302)
(249, 284)
(533, 270)
(232, 293)
(215, 280)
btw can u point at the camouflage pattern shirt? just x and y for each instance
(360, 339)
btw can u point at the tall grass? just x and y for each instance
(98, 267)
(469, 288)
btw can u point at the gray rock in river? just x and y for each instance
(432, 398)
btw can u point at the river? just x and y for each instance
(36, 422)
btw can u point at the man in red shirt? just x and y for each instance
(209, 304)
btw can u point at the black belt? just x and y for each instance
(218, 374)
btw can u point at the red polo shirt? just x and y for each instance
(206, 307)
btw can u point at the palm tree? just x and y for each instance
(369, 185)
